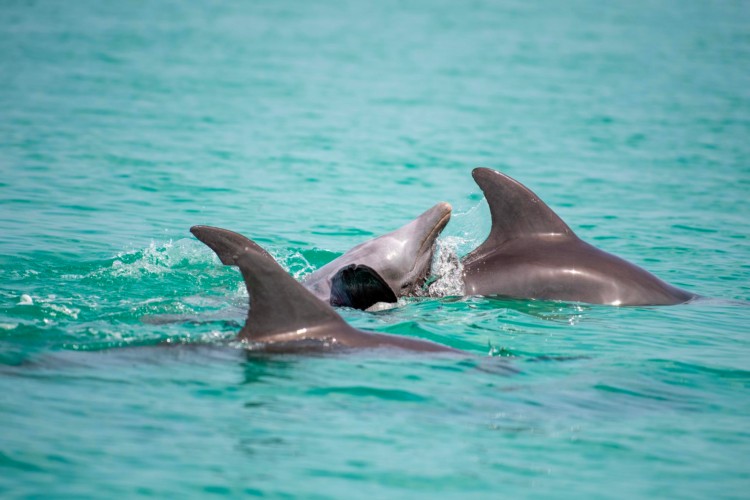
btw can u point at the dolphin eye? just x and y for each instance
(406, 285)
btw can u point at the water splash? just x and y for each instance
(446, 265)
(158, 259)
(447, 269)
(294, 262)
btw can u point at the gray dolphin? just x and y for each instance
(384, 268)
(531, 253)
(284, 316)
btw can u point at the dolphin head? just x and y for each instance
(402, 258)
(384, 268)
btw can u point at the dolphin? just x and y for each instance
(384, 268)
(531, 253)
(284, 316)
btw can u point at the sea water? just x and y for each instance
(311, 127)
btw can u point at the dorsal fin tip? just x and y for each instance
(486, 178)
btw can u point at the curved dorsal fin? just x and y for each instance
(278, 303)
(515, 210)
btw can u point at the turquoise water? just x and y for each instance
(309, 127)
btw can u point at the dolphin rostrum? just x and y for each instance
(284, 315)
(531, 253)
(383, 268)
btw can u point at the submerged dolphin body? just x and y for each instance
(283, 315)
(531, 253)
(384, 268)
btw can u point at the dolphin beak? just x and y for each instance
(433, 221)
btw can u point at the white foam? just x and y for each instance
(294, 262)
(382, 306)
(64, 310)
(446, 265)
(155, 259)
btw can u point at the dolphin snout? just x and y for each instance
(433, 221)
(439, 215)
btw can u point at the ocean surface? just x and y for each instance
(311, 127)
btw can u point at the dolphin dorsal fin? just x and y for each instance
(516, 211)
(278, 303)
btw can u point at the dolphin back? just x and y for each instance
(531, 253)
(278, 303)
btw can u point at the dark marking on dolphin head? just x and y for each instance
(359, 287)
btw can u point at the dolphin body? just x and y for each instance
(384, 268)
(531, 253)
(284, 316)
